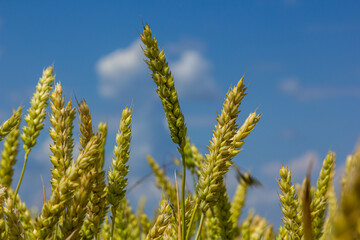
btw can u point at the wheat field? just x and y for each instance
(90, 202)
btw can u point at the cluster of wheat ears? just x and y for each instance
(86, 202)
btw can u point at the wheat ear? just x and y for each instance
(84, 178)
(222, 212)
(85, 124)
(9, 154)
(61, 119)
(319, 203)
(13, 223)
(10, 124)
(165, 87)
(97, 206)
(289, 201)
(62, 195)
(164, 80)
(102, 130)
(161, 223)
(35, 117)
(117, 180)
(221, 149)
(24, 213)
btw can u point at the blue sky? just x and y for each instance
(301, 60)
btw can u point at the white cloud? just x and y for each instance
(120, 68)
(292, 87)
(124, 68)
(192, 73)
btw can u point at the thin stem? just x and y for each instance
(22, 175)
(200, 226)
(192, 220)
(183, 195)
(112, 222)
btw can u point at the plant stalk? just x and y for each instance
(192, 220)
(183, 235)
(113, 213)
(22, 174)
(200, 226)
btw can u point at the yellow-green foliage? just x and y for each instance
(83, 205)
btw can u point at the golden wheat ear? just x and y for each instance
(117, 180)
(61, 119)
(289, 205)
(162, 221)
(10, 124)
(10, 152)
(35, 117)
(320, 201)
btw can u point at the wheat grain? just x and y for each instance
(10, 124)
(161, 223)
(165, 87)
(61, 119)
(9, 154)
(318, 204)
(222, 212)
(13, 223)
(35, 117)
(289, 201)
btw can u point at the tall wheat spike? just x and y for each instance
(61, 119)
(319, 203)
(289, 201)
(221, 149)
(117, 180)
(35, 117)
